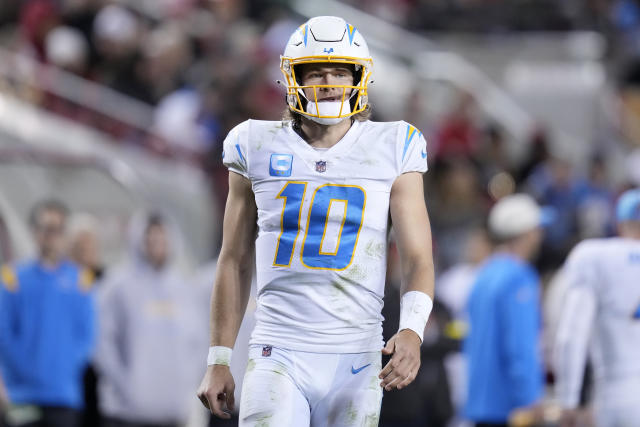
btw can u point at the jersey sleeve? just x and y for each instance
(235, 149)
(412, 148)
(11, 357)
(575, 324)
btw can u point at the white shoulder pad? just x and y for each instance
(581, 265)
(235, 149)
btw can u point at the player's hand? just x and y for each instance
(527, 416)
(403, 367)
(216, 391)
(569, 418)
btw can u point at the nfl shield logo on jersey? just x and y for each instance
(321, 166)
(266, 351)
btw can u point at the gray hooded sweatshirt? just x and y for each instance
(149, 349)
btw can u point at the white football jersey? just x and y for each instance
(601, 315)
(322, 229)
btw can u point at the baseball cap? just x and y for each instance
(514, 215)
(628, 207)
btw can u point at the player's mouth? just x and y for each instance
(330, 99)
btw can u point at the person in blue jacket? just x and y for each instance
(47, 328)
(504, 363)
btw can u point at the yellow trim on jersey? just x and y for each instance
(86, 279)
(9, 279)
(326, 222)
(284, 205)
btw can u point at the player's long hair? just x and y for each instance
(296, 118)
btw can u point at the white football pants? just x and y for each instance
(287, 388)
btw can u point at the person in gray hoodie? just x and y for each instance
(148, 333)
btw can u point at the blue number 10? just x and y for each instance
(313, 256)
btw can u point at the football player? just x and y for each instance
(310, 197)
(601, 316)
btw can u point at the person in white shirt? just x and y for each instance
(601, 317)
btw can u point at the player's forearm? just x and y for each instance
(229, 299)
(418, 275)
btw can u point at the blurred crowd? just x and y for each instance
(201, 67)
(117, 346)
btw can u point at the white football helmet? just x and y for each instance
(332, 40)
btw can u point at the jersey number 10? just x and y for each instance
(312, 255)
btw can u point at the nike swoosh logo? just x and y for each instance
(355, 371)
(423, 154)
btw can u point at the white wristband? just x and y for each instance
(415, 308)
(219, 355)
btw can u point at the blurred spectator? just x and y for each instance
(85, 244)
(505, 370)
(37, 19)
(67, 49)
(595, 205)
(46, 328)
(458, 134)
(179, 119)
(454, 286)
(493, 157)
(84, 250)
(555, 184)
(455, 283)
(166, 56)
(537, 153)
(150, 334)
(456, 206)
(116, 31)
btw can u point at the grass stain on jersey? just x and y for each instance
(356, 273)
(338, 295)
(339, 287)
(351, 414)
(375, 249)
(374, 383)
(251, 365)
(369, 162)
(371, 420)
(264, 421)
(280, 371)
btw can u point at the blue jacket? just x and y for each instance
(504, 364)
(47, 332)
